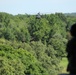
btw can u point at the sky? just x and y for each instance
(34, 6)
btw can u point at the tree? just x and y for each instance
(58, 44)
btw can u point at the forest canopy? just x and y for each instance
(33, 44)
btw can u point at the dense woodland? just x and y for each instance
(33, 44)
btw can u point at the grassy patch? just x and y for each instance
(64, 64)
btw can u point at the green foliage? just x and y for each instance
(18, 62)
(46, 55)
(58, 44)
(31, 46)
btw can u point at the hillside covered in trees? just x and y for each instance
(32, 45)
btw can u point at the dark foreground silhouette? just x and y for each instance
(71, 52)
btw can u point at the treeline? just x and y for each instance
(33, 46)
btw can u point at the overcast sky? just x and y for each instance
(35, 6)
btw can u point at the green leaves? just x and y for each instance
(16, 62)
(30, 46)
